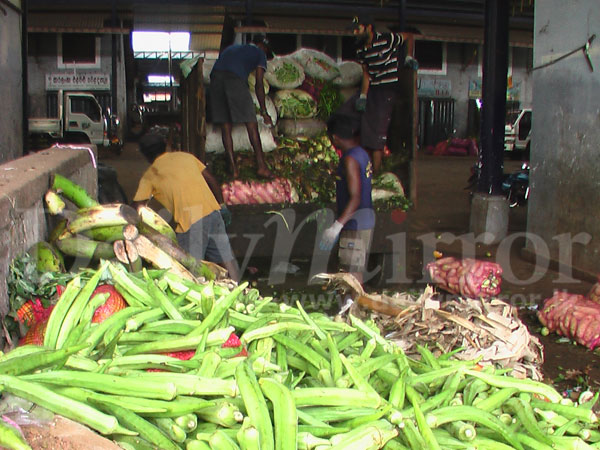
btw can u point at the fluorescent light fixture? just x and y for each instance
(160, 80)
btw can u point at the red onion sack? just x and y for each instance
(573, 316)
(468, 277)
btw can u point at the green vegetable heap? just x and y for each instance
(293, 379)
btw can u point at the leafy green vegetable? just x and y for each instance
(294, 106)
(24, 283)
(287, 73)
(330, 99)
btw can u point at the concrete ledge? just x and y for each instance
(23, 183)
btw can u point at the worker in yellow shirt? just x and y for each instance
(183, 185)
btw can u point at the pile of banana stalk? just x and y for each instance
(92, 232)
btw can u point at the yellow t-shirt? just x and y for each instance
(175, 180)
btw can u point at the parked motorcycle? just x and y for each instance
(515, 185)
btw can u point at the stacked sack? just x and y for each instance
(574, 316)
(294, 84)
(308, 86)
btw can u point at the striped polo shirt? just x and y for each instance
(381, 58)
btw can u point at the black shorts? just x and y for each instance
(229, 99)
(375, 120)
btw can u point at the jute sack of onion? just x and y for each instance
(573, 316)
(468, 277)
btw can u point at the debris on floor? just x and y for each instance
(489, 329)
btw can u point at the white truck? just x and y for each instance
(517, 132)
(80, 120)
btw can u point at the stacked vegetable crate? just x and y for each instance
(294, 380)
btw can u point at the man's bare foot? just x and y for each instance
(265, 173)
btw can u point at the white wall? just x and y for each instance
(463, 65)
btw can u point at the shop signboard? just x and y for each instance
(432, 87)
(78, 81)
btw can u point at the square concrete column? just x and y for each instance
(489, 214)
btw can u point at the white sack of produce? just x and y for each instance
(295, 104)
(316, 64)
(284, 73)
(279, 190)
(309, 128)
(385, 186)
(214, 143)
(252, 83)
(239, 134)
(271, 109)
(350, 75)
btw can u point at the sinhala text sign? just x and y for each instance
(78, 81)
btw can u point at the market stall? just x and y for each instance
(282, 218)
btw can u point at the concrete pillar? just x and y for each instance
(489, 214)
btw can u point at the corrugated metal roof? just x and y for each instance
(437, 32)
(172, 21)
(300, 25)
(202, 42)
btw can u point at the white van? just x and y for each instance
(517, 132)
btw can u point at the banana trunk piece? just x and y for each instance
(102, 216)
(130, 232)
(110, 233)
(54, 202)
(135, 262)
(120, 252)
(199, 268)
(85, 248)
(47, 257)
(159, 258)
(152, 219)
(59, 231)
(126, 253)
(72, 191)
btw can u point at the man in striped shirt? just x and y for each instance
(379, 54)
